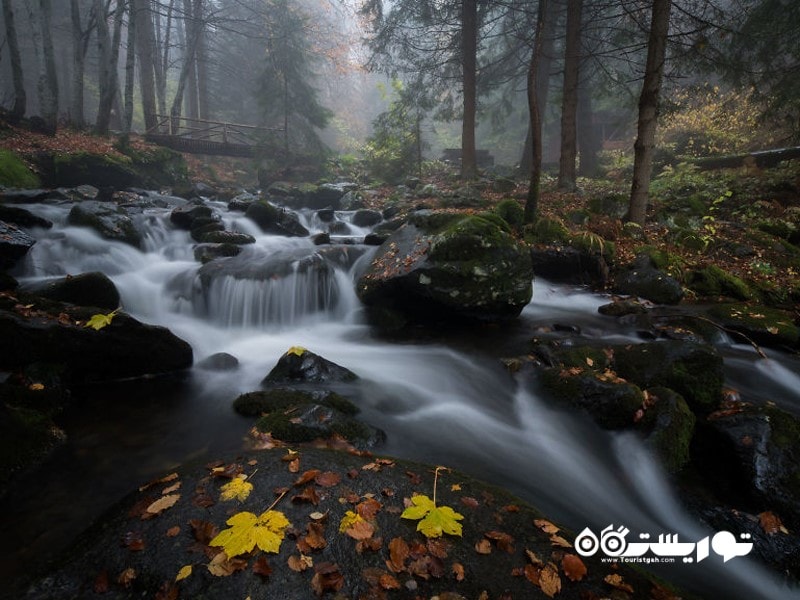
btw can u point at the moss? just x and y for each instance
(672, 427)
(352, 430)
(495, 219)
(689, 239)
(466, 236)
(713, 281)
(594, 244)
(511, 212)
(760, 323)
(633, 231)
(613, 205)
(281, 399)
(25, 437)
(584, 357)
(282, 428)
(14, 173)
(547, 231)
(777, 227)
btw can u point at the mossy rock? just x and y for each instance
(511, 212)
(689, 239)
(14, 173)
(26, 437)
(593, 244)
(634, 231)
(713, 281)
(279, 399)
(71, 170)
(493, 217)
(612, 205)
(306, 422)
(761, 324)
(547, 230)
(670, 426)
(778, 227)
(693, 370)
(157, 166)
(641, 278)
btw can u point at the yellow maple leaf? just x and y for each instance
(184, 572)
(237, 488)
(435, 520)
(349, 519)
(296, 350)
(97, 322)
(247, 531)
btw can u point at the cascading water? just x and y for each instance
(436, 403)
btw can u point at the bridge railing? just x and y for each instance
(211, 131)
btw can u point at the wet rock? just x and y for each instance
(14, 244)
(184, 216)
(205, 225)
(7, 282)
(24, 196)
(321, 239)
(565, 264)
(622, 308)
(299, 365)
(254, 404)
(351, 201)
(643, 279)
(242, 201)
(763, 325)
(225, 237)
(221, 361)
(452, 266)
(339, 228)
(87, 289)
(375, 239)
(125, 348)
(86, 192)
(107, 219)
(80, 168)
(669, 425)
(367, 218)
(326, 215)
(22, 218)
(691, 369)
(713, 281)
(274, 220)
(27, 436)
(207, 252)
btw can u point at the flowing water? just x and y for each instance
(442, 398)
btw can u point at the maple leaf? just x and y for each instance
(296, 350)
(237, 488)
(222, 565)
(549, 581)
(98, 321)
(436, 520)
(247, 531)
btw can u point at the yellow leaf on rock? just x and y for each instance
(36, 387)
(237, 488)
(349, 519)
(436, 520)
(296, 350)
(247, 531)
(97, 322)
(184, 572)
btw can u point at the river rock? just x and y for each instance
(86, 289)
(13, 196)
(274, 220)
(128, 537)
(454, 266)
(107, 219)
(566, 264)
(22, 218)
(14, 244)
(221, 361)
(692, 369)
(760, 324)
(366, 218)
(668, 422)
(299, 365)
(225, 237)
(643, 279)
(207, 252)
(242, 201)
(125, 348)
(184, 216)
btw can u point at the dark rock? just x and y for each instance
(669, 424)
(7, 282)
(452, 266)
(207, 252)
(309, 422)
(643, 279)
(623, 308)
(351, 201)
(24, 196)
(76, 169)
(274, 220)
(326, 215)
(387, 227)
(183, 216)
(27, 436)
(125, 348)
(22, 218)
(375, 239)
(166, 201)
(224, 237)
(760, 324)
(110, 221)
(242, 201)
(255, 404)
(321, 239)
(87, 289)
(339, 228)
(221, 361)
(201, 231)
(299, 365)
(390, 212)
(366, 218)
(87, 192)
(713, 281)
(14, 244)
(691, 369)
(565, 264)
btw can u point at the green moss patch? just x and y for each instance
(763, 325)
(14, 173)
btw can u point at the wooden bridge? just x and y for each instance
(198, 136)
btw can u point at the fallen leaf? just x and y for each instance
(36, 387)
(483, 546)
(469, 502)
(458, 571)
(456, 487)
(184, 572)
(165, 479)
(127, 577)
(573, 567)
(388, 582)
(161, 505)
(294, 465)
(504, 541)
(133, 541)
(327, 479)
(237, 488)
(173, 531)
(223, 566)
(99, 321)
(435, 520)
(100, 585)
(559, 541)
(261, 567)
(203, 531)
(360, 530)
(296, 350)
(533, 557)
(300, 563)
(309, 494)
(316, 536)
(546, 526)
(549, 581)
(167, 591)
(306, 477)
(327, 578)
(248, 531)
(173, 488)
(368, 508)
(398, 553)
(771, 523)
(531, 573)
(615, 580)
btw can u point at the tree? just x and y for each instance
(39, 15)
(20, 99)
(569, 105)
(108, 51)
(142, 12)
(130, 72)
(469, 51)
(532, 201)
(648, 110)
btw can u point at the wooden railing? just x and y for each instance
(209, 137)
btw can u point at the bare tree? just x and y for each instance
(648, 110)
(130, 69)
(569, 104)
(143, 13)
(108, 49)
(534, 110)
(469, 50)
(20, 99)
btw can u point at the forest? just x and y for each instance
(419, 299)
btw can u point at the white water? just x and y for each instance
(436, 403)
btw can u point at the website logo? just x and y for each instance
(613, 543)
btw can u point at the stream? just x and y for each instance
(441, 397)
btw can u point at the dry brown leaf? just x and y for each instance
(294, 465)
(165, 479)
(261, 567)
(173, 531)
(316, 536)
(458, 571)
(127, 577)
(546, 526)
(573, 567)
(327, 578)
(771, 523)
(559, 541)
(505, 542)
(306, 477)
(388, 582)
(327, 479)
(483, 546)
(533, 557)
(549, 581)
(615, 580)
(309, 494)
(368, 508)
(300, 563)
(360, 530)
(398, 553)
(173, 488)
(469, 502)
(531, 573)
(222, 566)
(161, 505)
(133, 541)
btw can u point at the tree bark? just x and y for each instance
(104, 68)
(78, 66)
(188, 65)
(532, 201)
(469, 50)
(130, 70)
(50, 97)
(203, 101)
(144, 50)
(589, 142)
(542, 80)
(569, 104)
(20, 98)
(648, 110)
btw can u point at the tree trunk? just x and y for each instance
(50, 96)
(188, 65)
(648, 110)
(144, 49)
(130, 70)
(161, 91)
(532, 201)
(542, 80)
(20, 99)
(469, 50)
(192, 29)
(202, 70)
(589, 143)
(78, 66)
(104, 68)
(569, 103)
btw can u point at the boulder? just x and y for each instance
(225, 237)
(643, 279)
(14, 244)
(326, 215)
(366, 218)
(87, 289)
(760, 324)
(242, 201)
(299, 365)
(22, 218)
(274, 220)
(205, 225)
(452, 266)
(125, 348)
(13, 196)
(207, 252)
(566, 264)
(7, 282)
(668, 424)
(692, 369)
(107, 219)
(184, 216)
(221, 361)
